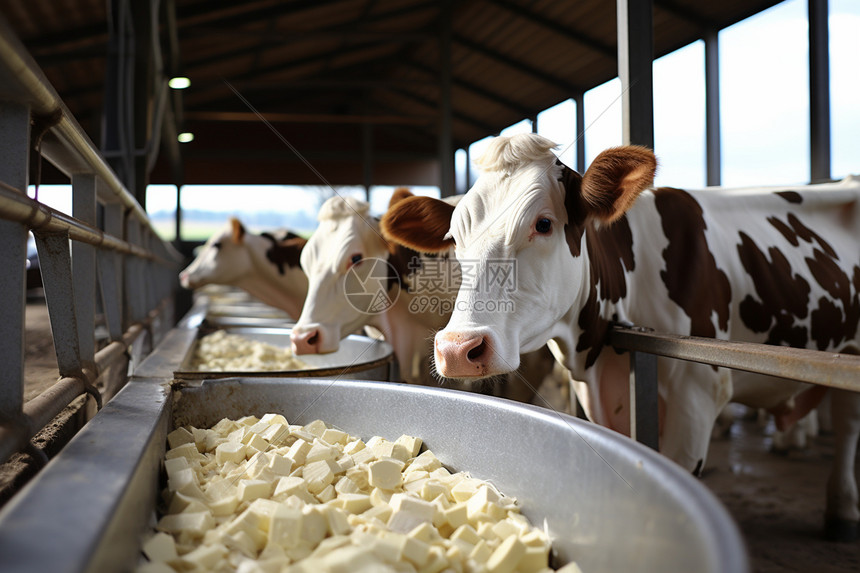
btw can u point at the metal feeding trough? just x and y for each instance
(608, 503)
(359, 357)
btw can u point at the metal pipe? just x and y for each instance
(17, 207)
(823, 368)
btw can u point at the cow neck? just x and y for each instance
(286, 291)
(583, 331)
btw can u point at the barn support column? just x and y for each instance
(367, 157)
(118, 129)
(14, 170)
(635, 58)
(579, 129)
(446, 147)
(713, 142)
(819, 91)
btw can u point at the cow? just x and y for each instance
(348, 250)
(265, 265)
(779, 266)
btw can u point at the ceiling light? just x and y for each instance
(179, 83)
(185, 137)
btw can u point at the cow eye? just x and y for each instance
(217, 245)
(543, 226)
(355, 259)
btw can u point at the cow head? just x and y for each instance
(518, 237)
(346, 249)
(222, 260)
(265, 265)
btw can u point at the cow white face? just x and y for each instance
(222, 260)
(517, 235)
(345, 250)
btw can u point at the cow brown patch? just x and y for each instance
(610, 252)
(783, 296)
(402, 261)
(830, 324)
(692, 277)
(790, 196)
(809, 235)
(594, 327)
(286, 252)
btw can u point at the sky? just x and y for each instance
(764, 118)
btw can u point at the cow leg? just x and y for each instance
(842, 513)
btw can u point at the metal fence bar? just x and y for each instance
(15, 206)
(72, 249)
(644, 425)
(84, 267)
(14, 143)
(824, 368)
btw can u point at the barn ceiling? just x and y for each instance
(356, 87)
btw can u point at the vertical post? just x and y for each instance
(15, 151)
(446, 148)
(84, 267)
(114, 219)
(713, 143)
(178, 219)
(534, 121)
(819, 91)
(635, 59)
(367, 157)
(579, 99)
(644, 412)
(468, 169)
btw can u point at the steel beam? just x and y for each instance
(635, 60)
(644, 413)
(713, 143)
(579, 129)
(84, 267)
(446, 146)
(819, 92)
(14, 149)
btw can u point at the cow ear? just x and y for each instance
(399, 195)
(614, 180)
(418, 223)
(238, 230)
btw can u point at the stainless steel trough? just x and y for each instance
(359, 357)
(608, 502)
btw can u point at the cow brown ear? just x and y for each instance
(418, 223)
(238, 234)
(399, 195)
(615, 178)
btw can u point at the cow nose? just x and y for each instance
(460, 355)
(306, 342)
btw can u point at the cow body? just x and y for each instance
(266, 266)
(775, 266)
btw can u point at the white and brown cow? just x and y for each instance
(418, 291)
(265, 265)
(775, 266)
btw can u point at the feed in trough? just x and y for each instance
(222, 351)
(261, 494)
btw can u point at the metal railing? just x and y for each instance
(834, 370)
(119, 266)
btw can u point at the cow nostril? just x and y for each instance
(476, 352)
(314, 338)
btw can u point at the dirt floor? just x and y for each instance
(777, 501)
